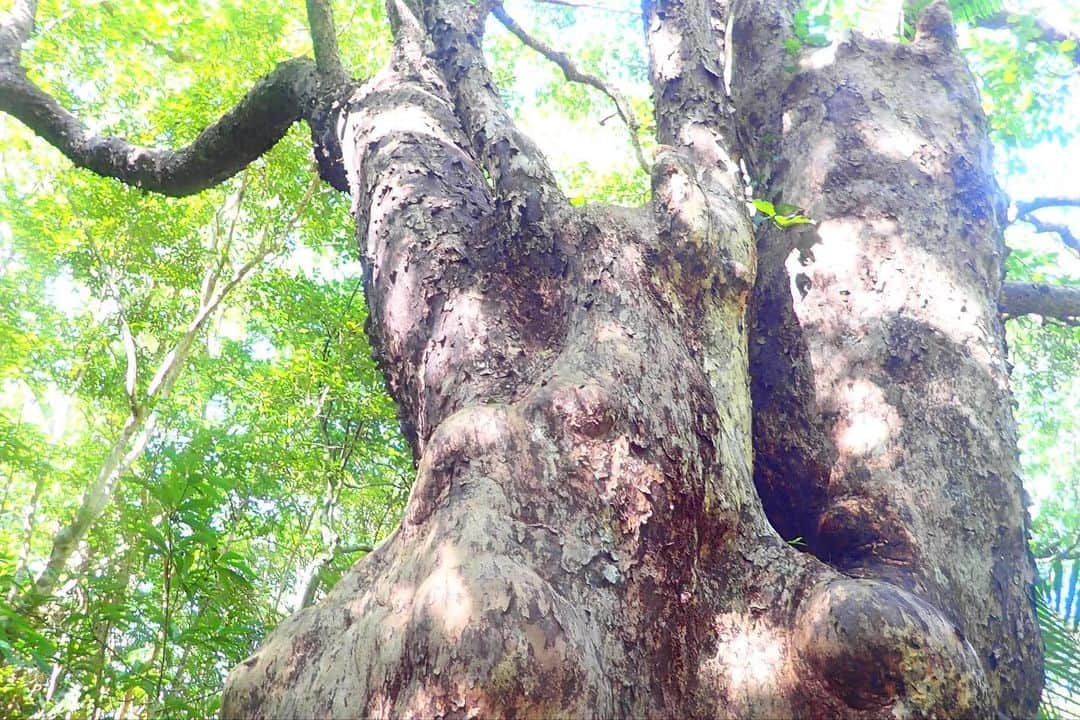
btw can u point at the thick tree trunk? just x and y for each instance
(883, 424)
(584, 538)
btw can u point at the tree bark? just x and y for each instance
(246, 132)
(584, 537)
(617, 428)
(1049, 301)
(883, 427)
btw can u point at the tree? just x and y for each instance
(613, 409)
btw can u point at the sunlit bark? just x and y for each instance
(620, 415)
(584, 537)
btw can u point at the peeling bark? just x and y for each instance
(584, 538)
(883, 429)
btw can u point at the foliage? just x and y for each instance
(1062, 660)
(278, 451)
(782, 215)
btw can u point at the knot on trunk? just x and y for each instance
(876, 646)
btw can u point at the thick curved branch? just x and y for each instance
(574, 74)
(324, 39)
(1046, 31)
(1050, 301)
(243, 134)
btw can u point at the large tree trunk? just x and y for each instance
(584, 537)
(883, 428)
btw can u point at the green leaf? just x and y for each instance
(786, 221)
(764, 207)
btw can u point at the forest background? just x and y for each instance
(187, 383)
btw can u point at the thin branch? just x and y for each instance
(575, 74)
(131, 374)
(213, 274)
(141, 425)
(349, 549)
(324, 39)
(1059, 302)
(1046, 31)
(589, 6)
(1063, 231)
(150, 42)
(220, 151)
(1023, 207)
(1065, 553)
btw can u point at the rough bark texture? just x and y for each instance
(584, 538)
(590, 533)
(883, 429)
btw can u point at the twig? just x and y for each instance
(588, 6)
(1063, 231)
(574, 74)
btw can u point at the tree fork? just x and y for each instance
(544, 352)
(584, 536)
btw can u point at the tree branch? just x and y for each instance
(243, 134)
(141, 422)
(1023, 207)
(349, 549)
(324, 39)
(131, 373)
(575, 74)
(1050, 301)
(148, 40)
(16, 29)
(1063, 231)
(589, 6)
(523, 181)
(1046, 32)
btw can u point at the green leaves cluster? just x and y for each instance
(782, 215)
